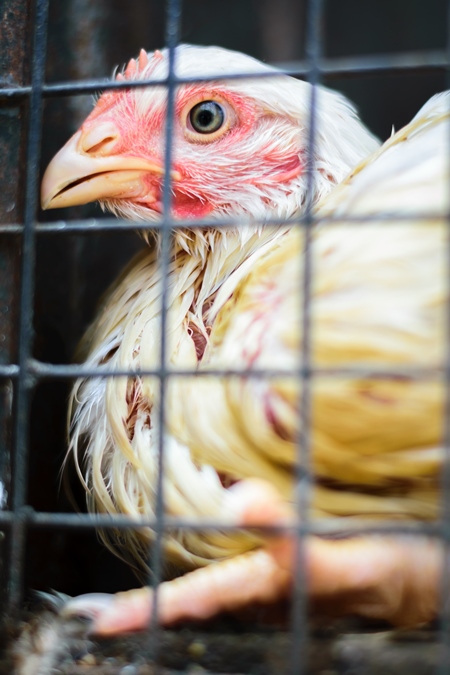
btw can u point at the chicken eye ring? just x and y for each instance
(218, 116)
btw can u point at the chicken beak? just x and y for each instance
(75, 176)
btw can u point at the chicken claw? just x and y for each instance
(383, 577)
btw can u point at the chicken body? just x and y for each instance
(252, 168)
(379, 296)
(378, 303)
(378, 299)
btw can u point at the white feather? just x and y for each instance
(114, 421)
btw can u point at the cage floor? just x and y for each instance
(331, 650)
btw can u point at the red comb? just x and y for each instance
(136, 66)
(131, 69)
(143, 59)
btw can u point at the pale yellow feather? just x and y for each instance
(379, 296)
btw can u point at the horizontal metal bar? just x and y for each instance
(96, 225)
(330, 68)
(370, 64)
(323, 527)
(40, 370)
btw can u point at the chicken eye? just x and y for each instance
(207, 117)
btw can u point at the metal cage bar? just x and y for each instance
(25, 328)
(299, 619)
(172, 38)
(336, 67)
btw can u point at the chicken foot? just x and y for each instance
(385, 577)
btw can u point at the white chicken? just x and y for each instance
(239, 151)
(379, 297)
(233, 302)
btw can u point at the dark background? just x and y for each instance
(87, 38)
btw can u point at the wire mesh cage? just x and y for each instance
(52, 272)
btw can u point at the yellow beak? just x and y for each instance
(76, 176)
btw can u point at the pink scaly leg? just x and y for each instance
(383, 577)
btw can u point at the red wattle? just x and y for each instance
(186, 207)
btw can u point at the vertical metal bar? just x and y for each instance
(172, 36)
(25, 329)
(444, 663)
(299, 626)
(14, 27)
